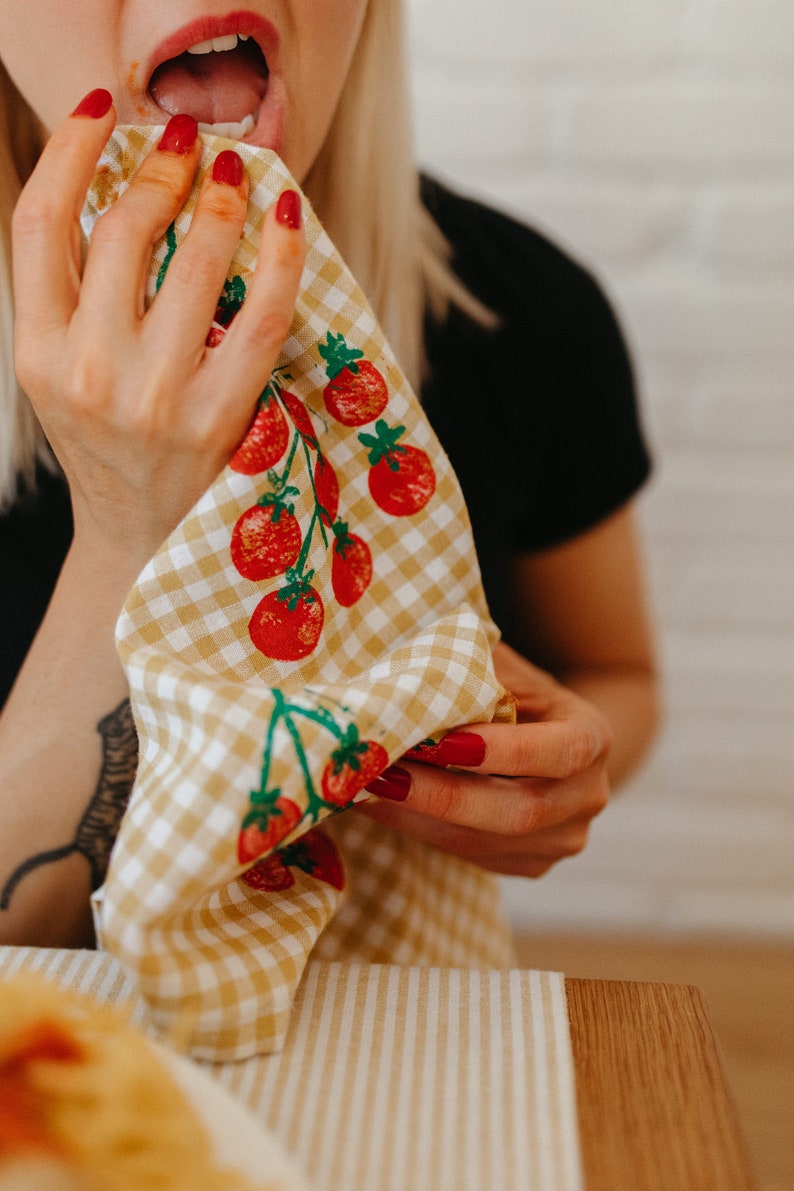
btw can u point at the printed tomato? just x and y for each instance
(401, 479)
(300, 417)
(215, 335)
(426, 751)
(351, 566)
(227, 309)
(405, 488)
(315, 855)
(266, 540)
(356, 392)
(266, 440)
(286, 624)
(265, 826)
(352, 767)
(357, 395)
(326, 485)
(269, 875)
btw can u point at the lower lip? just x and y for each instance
(268, 132)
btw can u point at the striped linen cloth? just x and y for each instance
(397, 1078)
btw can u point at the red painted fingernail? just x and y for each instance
(228, 167)
(393, 783)
(288, 209)
(179, 135)
(95, 104)
(461, 748)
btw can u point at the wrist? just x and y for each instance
(102, 572)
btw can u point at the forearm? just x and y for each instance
(68, 755)
(629, 699)
(582, 613)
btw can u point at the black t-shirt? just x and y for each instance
(538, 417)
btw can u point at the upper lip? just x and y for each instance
(207, 27)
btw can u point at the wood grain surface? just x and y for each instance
(655, 1113)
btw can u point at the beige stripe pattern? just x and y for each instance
(399, 1078)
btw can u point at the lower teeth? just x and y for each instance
(235, 132)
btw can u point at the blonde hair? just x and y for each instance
(22, 441)
(386, 236)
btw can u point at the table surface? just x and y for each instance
(653, 1106)
(653, 1103)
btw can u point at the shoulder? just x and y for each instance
(555, 321)
(513, 268)
(551, 389)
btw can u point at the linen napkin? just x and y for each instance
(318, 613)
(398, 1078)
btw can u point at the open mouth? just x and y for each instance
(221, 82)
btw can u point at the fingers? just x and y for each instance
(554, 748)
(497, 805)
(118, 261)
(180, 318)
(259, 330)
(526, 856)
(47, 245)
(45, 223)
(251, 347)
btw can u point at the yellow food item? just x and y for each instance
(84, 1094)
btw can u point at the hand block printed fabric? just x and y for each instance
(316, 614)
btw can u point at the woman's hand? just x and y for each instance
(529, 791)
(141, 415)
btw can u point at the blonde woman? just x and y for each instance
(125, 420)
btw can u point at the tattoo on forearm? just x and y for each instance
(98, 828)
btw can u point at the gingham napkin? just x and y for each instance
(317, 613)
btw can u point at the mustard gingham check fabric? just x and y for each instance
(316, 614)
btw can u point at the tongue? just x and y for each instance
(216, 88)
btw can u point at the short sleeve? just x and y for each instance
(589, 452)
(540, 414)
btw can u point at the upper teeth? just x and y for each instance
(218, 44)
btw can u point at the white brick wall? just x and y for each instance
(655, 139)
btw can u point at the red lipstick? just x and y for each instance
(205, 28)
(263, 97)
